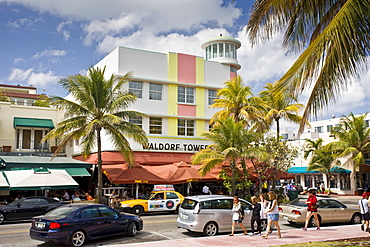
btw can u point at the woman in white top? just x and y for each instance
(272, 212)
(237, 217)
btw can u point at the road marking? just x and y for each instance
(164, 236)
(13, 232)
(163, 221)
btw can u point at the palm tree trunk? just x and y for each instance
(275, 164)
(100, 168)
(233, 190)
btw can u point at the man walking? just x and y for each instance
(205, 190)
(364, 208)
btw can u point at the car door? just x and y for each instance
(92, 222)
(340, 213)
(247, 213)
(28, 208)
(172, 200)
(324, 210)
(156, 203)
(112, 221)
(222, 213)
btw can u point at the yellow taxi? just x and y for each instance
(162, 199)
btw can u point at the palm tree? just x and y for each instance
(334, 37)
(231, 143)
(311, 146)
(279, 105)
(353, 143)
(325, 160)
(98, 105)
(238, 102)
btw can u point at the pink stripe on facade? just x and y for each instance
(233, 75)
(186, 68)
(186, 110)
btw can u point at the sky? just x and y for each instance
(43, 41)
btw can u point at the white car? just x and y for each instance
(329, 211)
(211, 214)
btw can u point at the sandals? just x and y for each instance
(265, 237)
(231, 234)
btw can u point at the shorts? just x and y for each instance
(273, 217)
(238, 221)
(365, 216)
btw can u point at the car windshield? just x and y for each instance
(299, 202)
(61, 212)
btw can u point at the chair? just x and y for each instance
(39, 147)
(45, 147)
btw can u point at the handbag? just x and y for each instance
(314, 206)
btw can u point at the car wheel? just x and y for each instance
(132, 230)
(2, 218)
(77, 239)
(292, 222)
(263, 225)
(210, 229)
(313, 222)
(356, 218)
(138, 210)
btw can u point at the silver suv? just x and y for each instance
(211, 214)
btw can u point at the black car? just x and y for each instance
(75, 223)
(28, 207)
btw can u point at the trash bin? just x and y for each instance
(292, 194)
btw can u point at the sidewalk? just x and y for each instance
(288, 237)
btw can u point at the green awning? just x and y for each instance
(33, 122)
(304, 170)
(77, 172)
(41, 161)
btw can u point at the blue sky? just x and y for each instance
(43, 41)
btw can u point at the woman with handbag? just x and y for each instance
(236, 216)
(311, 209)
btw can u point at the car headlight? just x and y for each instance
(125, 205)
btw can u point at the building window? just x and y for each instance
(319, 129)
(185, 127)
(136, 88)
(30, 139)
(329, 128)
(367, 123)
(137, 121)
(185, 95)
(212, 95)
(155, 125)
(214, 51)
(155, 91)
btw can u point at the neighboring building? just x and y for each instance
(23, 125)
(175, 90)
(343, 182)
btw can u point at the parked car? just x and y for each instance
(211, 214)
(329, 211)
(28, 207)
(156, 201)
(74, 224)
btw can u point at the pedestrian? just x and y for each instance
(272, 214)
(88, 197)
(311, 209)
(65, 196)
(236, 216)
(256, 216)
(322, 187)
(205, 190)
(363, 203)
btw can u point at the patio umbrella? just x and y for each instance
(121, 174)
(40, 179)
(3, 183)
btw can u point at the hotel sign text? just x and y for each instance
(175, 146)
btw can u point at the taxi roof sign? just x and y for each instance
(163, 187)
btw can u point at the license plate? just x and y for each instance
(40, 225)
(184, 216)
(285, 217)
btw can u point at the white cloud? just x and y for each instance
(33, 78)
(50, 53)
(61, 29)
(18, 60)
(22, 22)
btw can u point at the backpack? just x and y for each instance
(241, 213)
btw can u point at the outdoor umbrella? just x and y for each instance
(40, 179)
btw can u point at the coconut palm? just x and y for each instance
(97, 106)
(231, 142)
(353, 141)
(311, 146)
(279, 105)
(325, 160)
(237, 101)
(333, 35)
